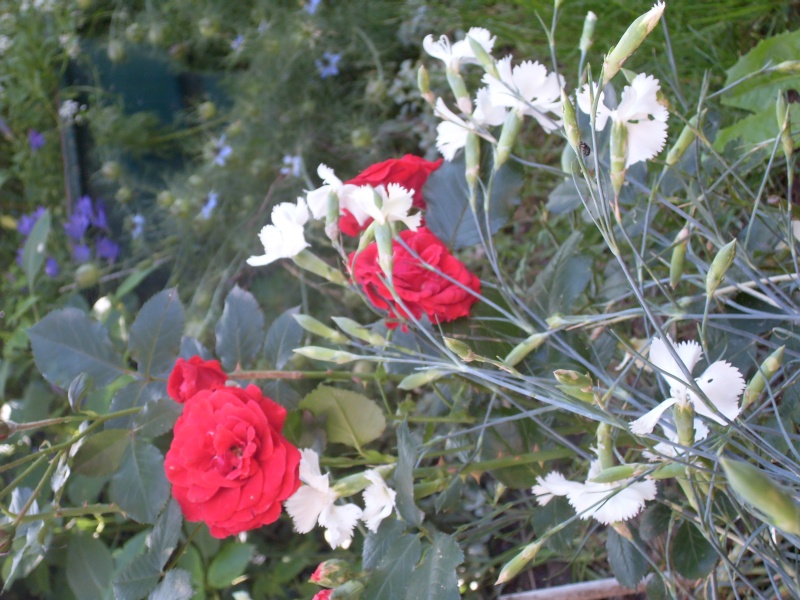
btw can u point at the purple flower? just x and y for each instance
(26, 222)
(311, 6)
(328, 64)
(99, 219)
(237, 43)
(35, 140)
(81, 253)
(209, 206)
(107, 249)
(222, 152)
(20, 251)
(83, 207)
(138, 226)
(51, 267)
(76, 226)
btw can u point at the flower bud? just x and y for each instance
(459, 91)
(472, 159)
(513, 567)
(575, 384)
(683, 142)
(332, 573)
(461, 349)
(684, 423)
(116, 51)
(383, 237)
(587, 36)
(784, 125)
(677, 262)
(619, 152)
(308, 261)
(207, 110)
(311, 325)
(508, 135)
(332, 217)
(111, 170)
(7, 533)
(484, 58)
(570, 123)
(759, 490)
(424, 85)
(87, 275)
(420, 378)
(7, 429)
(352, 590)
(630, 41)
(765, 372)
(524, 348)
(359, 332)
(326, 354)
(719, 266)
(617, 473)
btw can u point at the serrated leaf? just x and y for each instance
(136, 393)
(283, 336)
(351, 418)
(377, 544)
(155, 336)
(403, 477)
(137, 579)
(157, 417)
(164, 537)
(436, 577)
(390, 580)
(89, 566)
(627, 563)
(240, 329)
(34, 250)
(102, 453)
(190, 561)
(692, 555)
(564, 278)
(229, 564)
(67, 343)
(448, 214)
(140, 487)
(177, 585)
(451, 497)
(132, 548)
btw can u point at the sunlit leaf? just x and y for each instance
(352, 419)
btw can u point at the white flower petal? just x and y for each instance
(689, 353)
(647, 422)
(553, 484)
(640, 99)
(486, 113)
(585, 104)
(450, 138)
(379, 501)
(279, 243)
(646, 138)
(438, 48)
(328, 176)
(305, 507)
(309, 470)
(528, 89)
(723, 384)
(612, 502)
(339, 522)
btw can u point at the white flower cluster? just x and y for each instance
(315, 503)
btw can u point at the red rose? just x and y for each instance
(420, 289)
(229, 464)
(190, 376)
(410, 171)
(323, 595)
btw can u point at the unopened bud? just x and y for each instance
(332, 217)
(513, 567)
(630, 41)
(575, 384)
(308, 261)
(719, 266)
(508, 135)
(311, 325)
(683, 142)
(87, 275)
(784, 125)
(570, 123)
(459, 91)
(326, 354)
(485, 59)
(472, 159)
(359, 332)
(619, 153)
(788, 66)
(383, 237)
(7, 533)
(424, 85)
(352, 590)
(420, 378)
(207, 110)
(7, 429)
(587, 36)
(332, 573)
(521, 350)
(678, 260)
(617, 473)
(759, 381)
(772, 500)
(461, 349)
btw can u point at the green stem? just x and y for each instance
(294, 375)
(45, 478)
(496, 463)
(79, 511)
(21, 477)
(177, 556)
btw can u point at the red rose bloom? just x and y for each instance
(229, 465)
(323, 595)
(410, 171)
(190, 376)
(420, 289)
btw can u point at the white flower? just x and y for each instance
(318, 199)
(378, 500)
(721, 383)
(644, 117)
(451, 133)
(529, 89)
(284, 238)
(667, 449)
(314, 502)
(396, 201)
(461, 52)
(606, 502)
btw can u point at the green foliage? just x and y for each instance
(89, 566)
(692, 555)
(240, 329)
(403, 476)
(283, 336)
(392, 575)
(155, 335)
(436, 575)
(140, 487)
(350, 418)
(229, 564)
(626, 560)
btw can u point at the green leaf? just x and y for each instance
(692, 555)
(567, 196)
(190, 561)
(78, 388)
(157, 417)
(177, 585)
(155, 336)
(140, 487)
(34, 251)
(240, 329)
(436, 577)
(283, 336)
(133, 547)
(451, 497)
(627, 563)
(557, 287)
(67, 343)
(390, 580)
(403, 477)
(229, 564)
(101, 454)
(165, 534)
(137, 579)
(448, 214)
(133, 280)
(89, 566)
(655, 522)
(136, 393)
(377, 544)
(756, 128)
(352, 419)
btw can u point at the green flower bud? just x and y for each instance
(619, 153)
(326, 354)
(308, 261)
(587, 35)
(124, 194)
(353, 484)
(684, 423)
(87, 275)
(420, 378)
(524, 348)
(352, 590)
(575, 384)
(571, 123)
(775, 502)
(630, 41)
(208, 27)
(155, 35)
(788, 66)
(7, 533)
(207, 110)
(111, 170)
(424, 85)
(459, 91)
(683, 142)
(513, 567)
(461, 349)
(484, 58)
(165, 199)
(383, 237)
(508, 135)
(116, 51)
(359, 332)
(719, 266)
(311, 325)
(332, 573)
(677, 262)
(472, 159)
(784, 125)
(332, 217)
(618, 473)
(134, 33)
(759, 381)
(361, 137)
